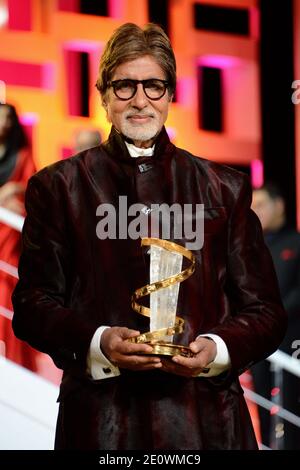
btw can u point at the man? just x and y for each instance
(73, 299)
(284, 244)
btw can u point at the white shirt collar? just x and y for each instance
(139, 152)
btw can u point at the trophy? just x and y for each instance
(166, 274)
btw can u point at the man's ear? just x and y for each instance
(105, 106)
(104, 103)
(280, 205)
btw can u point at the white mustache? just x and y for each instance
(129, 115)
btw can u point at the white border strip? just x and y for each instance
(11, 219)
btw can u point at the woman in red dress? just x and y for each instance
(16, 167)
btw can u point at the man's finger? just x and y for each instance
(192, 362)
(133, 348)
(126, 333)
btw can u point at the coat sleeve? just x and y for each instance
(42, 316)
(258, 321)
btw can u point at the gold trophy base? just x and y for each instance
(170, 349)
(161, 348)
(164, 349)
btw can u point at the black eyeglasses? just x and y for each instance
(125, 89)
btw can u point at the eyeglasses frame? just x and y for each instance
(136, 82)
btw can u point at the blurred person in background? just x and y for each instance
(85, 139)
(16, 167)
(284, 244)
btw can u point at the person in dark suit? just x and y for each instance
(284, 244)
(73, 299)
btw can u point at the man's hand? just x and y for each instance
(125, 354)
(9, 197)
(9, 190)
(15, 205)
(205, 351)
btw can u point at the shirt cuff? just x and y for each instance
(222, 360)
(98, 366)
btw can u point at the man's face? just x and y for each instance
(269, 211)
(139, 118)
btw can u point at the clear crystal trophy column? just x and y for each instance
(166, 274)
(163, 302)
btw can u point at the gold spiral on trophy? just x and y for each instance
(154, 338)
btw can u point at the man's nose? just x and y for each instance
(139, 100)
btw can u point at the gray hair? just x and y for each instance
(129, 42)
